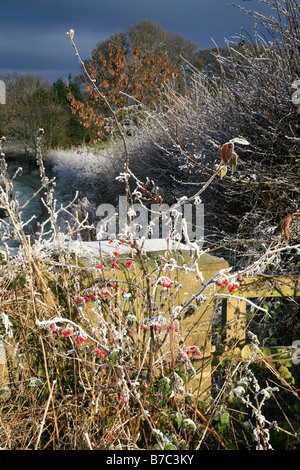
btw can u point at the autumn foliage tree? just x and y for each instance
(126, 79)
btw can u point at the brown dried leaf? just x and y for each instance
(285, 226)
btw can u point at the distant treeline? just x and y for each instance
(141, 62)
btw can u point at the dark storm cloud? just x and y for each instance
(33, 33)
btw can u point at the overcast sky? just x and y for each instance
(33, 32)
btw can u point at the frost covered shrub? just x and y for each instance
(251, 97)
(93, 171)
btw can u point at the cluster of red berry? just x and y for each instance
(67, 331)
(164, 284)
(80, 299)
(106, 292)
(80, 338)
(171, 327)
(53, 327)
(233, 287)
(114, 264)
(158, 327)
(167, 284)
(101, 264)
(84, 298)
(223, 282)
(192, 351)
(100, 354)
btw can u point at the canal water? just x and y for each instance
(25, 187)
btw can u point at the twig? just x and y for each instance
(88, 440)
(45, 414)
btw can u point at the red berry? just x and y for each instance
(80, 338)
(232, 287)
(53, 327)
(67, 331)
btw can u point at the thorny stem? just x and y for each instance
(103, 97)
